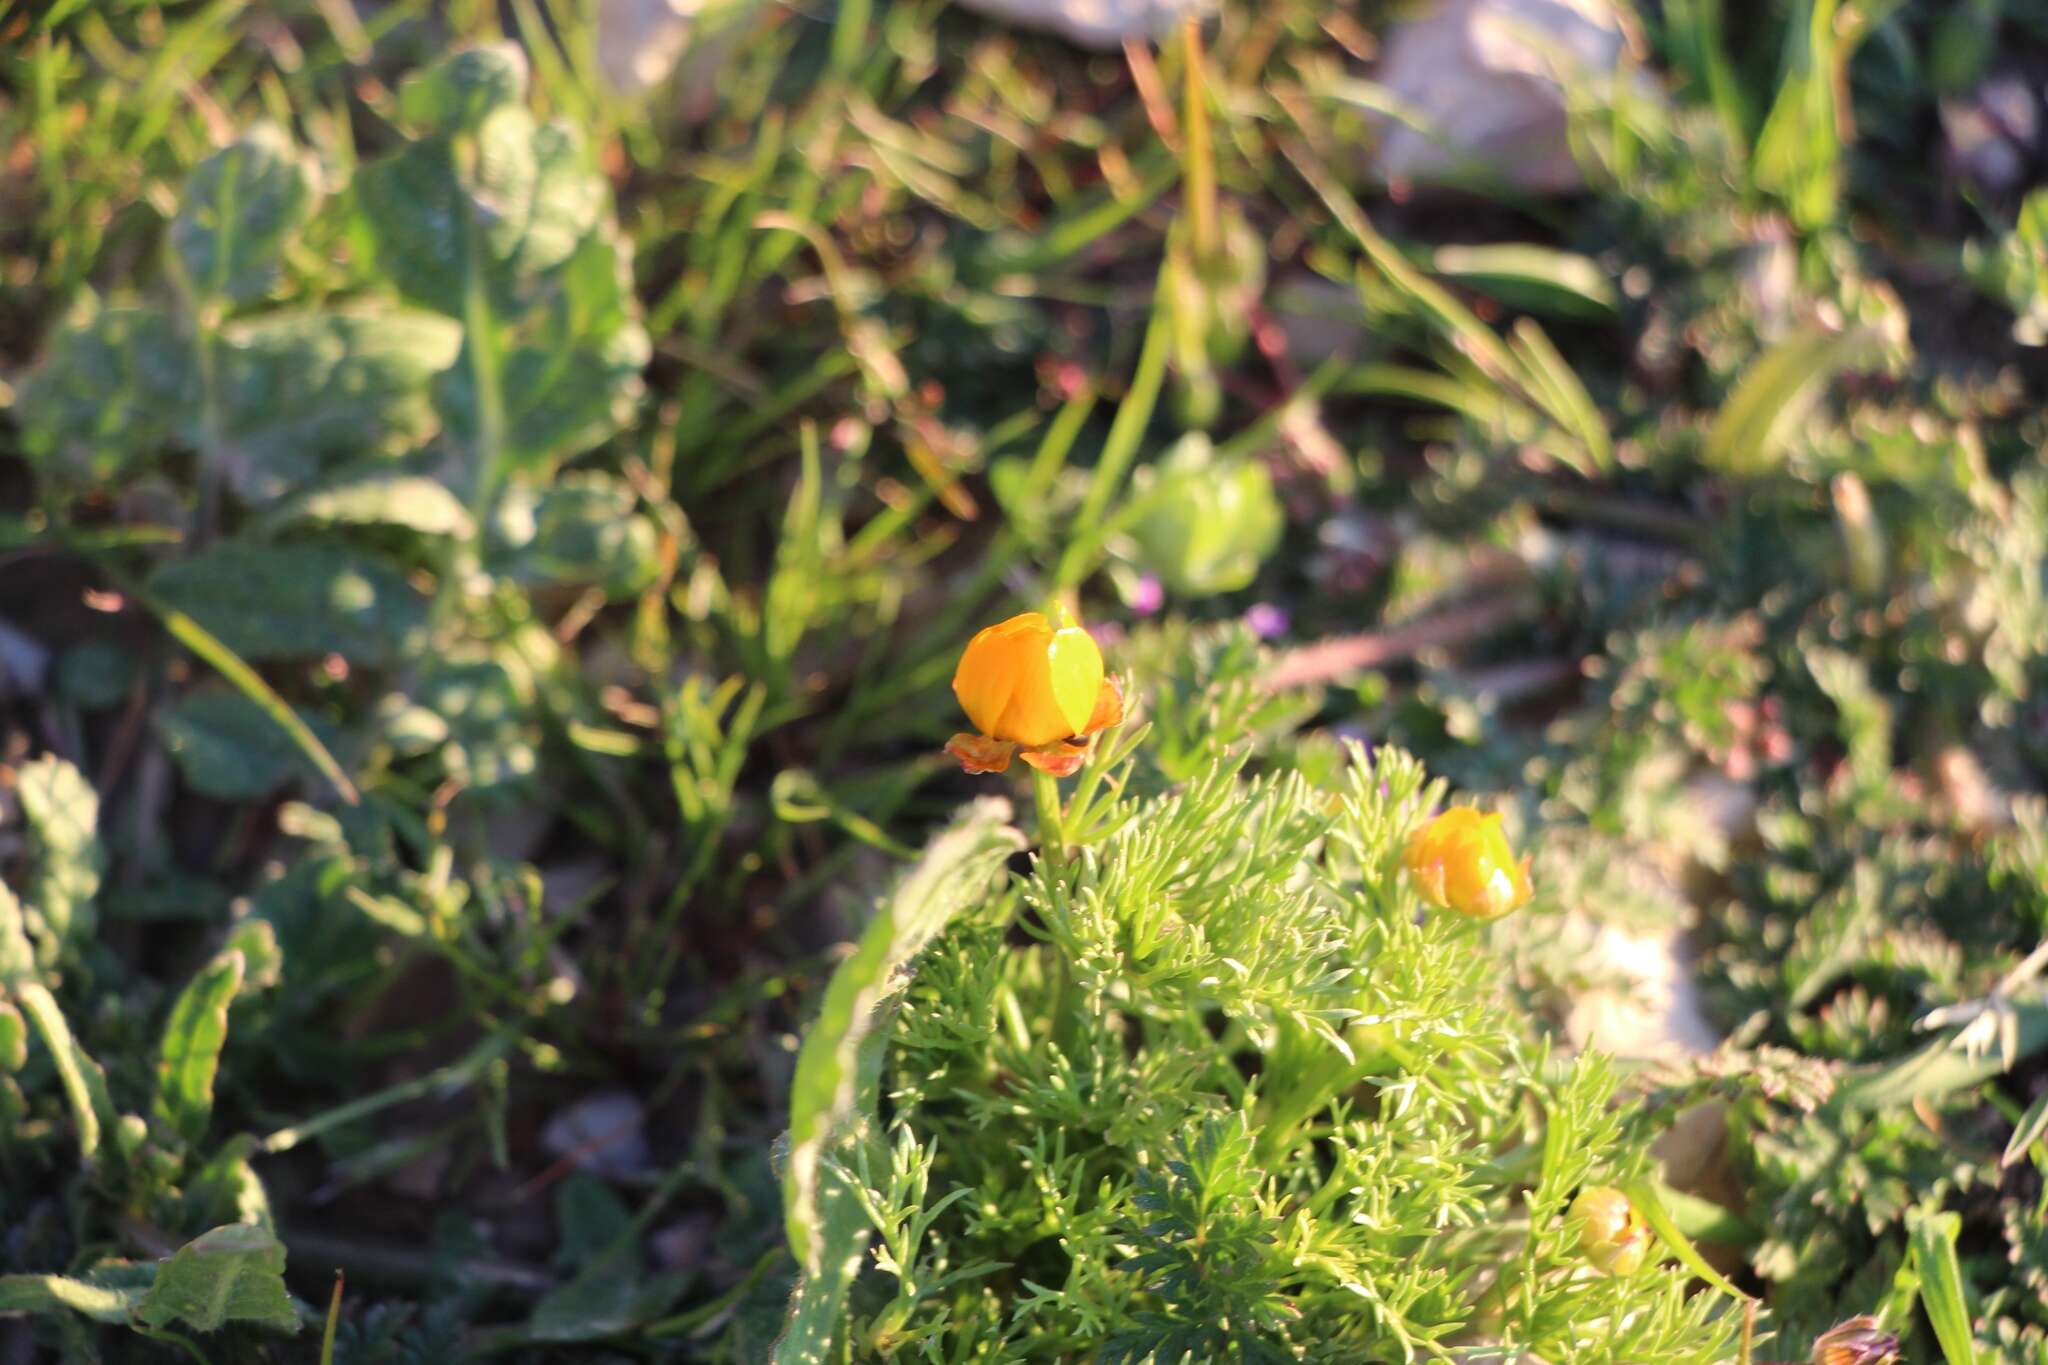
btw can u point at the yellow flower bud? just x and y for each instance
(1462, 862)
(1612, 1236)
(1029, 684)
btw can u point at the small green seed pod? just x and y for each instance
(1612, 1236)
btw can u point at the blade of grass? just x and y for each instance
(250, 684)
(2032, 1127)
(1941, 1284)
(1642, 1194)
(1119, 449)
(447, 1079)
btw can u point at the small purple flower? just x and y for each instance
(1147, 597)
(1266, 620)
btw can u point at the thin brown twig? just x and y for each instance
(1343, 656)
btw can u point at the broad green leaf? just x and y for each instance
(510, 201)
(96, 674)
(235, 1273)
(581, 528)
(603, 1302)
(1704, 1220)
(228, 746)
(61, 1293)
(1751, 432)
(193, 1037)
(1203, 523)
(306, 393)
(296, 601)
(489, 709)
(412, 501)
(240, 208)
(1941, 1283)
(1798, 154)
(63, 814)
(85, 1085)
(571, 367)
(838, 1068)
(591, 1221)
(1540, 279)
(457, 92)
(112, 387)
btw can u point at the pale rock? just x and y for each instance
(639, 42)
(1098, 24)
(23, 662)
(1658, 1015)
(1993, 132)
(604, 1134)
(1484, 85)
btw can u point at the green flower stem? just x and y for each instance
(1052, 821)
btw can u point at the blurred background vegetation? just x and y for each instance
(491, 496)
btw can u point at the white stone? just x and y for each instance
(640, 41)
(1486, 80)
(1658, 1015)
(1099, 24)
(604, 1134)
(23, 661)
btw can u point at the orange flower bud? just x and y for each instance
(1612, 1236)
(1027, 683)
(1462, 862)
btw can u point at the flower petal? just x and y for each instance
(980, 754)
(987, 676)
(1109, 706)
(1060, 760)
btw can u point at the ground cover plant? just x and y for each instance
(489, 551)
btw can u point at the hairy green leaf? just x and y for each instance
(295, 601)
(240, 207)
(85, 1085)
(63, 813)
(228, 746)
(190, 1053)
(61, 1293)
(306, 393)
(837, 1073)
(234, 1273)
(112, 386)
